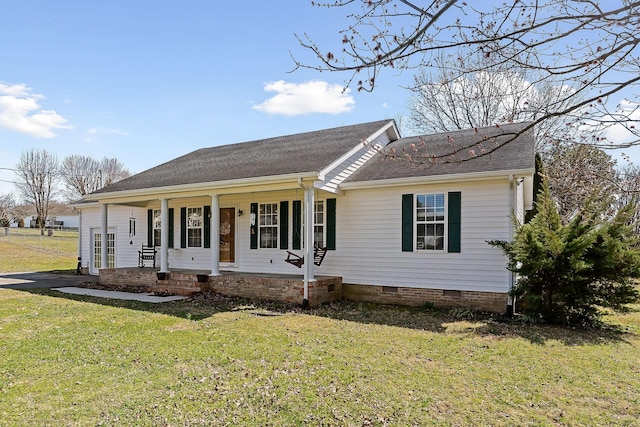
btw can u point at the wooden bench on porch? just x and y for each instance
(298, 261)
(147, 253)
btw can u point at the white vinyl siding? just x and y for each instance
(368, 237)
(369, 240)
(127, 246)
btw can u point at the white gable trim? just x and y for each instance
(388, 128)
(338, 171)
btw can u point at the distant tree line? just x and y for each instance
(39, 176)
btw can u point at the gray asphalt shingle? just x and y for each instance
(501, 152)
(313, 151)
(304, 152)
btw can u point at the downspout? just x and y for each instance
(79, 267)
(512, 277)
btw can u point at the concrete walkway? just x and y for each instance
(119, 295)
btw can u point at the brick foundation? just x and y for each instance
(322, 290)
(485, 301)
(291, 289)
(127, 277)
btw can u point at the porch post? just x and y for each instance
(164, 235)
(308, 242)
(104, 229)
(215, 235)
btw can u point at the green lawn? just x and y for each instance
(77, 361)
(24, 249)
(69, 360)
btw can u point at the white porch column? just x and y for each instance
(215, 235)
(164, 235)
(308, 241)
(104, 230)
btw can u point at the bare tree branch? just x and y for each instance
(590, 47)
(83, 174)
(38, 174)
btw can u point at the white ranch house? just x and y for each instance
(394, 232)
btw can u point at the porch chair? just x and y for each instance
(147, 253)
(297, 260)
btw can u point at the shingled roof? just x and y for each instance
(300, 153)
(494, 149)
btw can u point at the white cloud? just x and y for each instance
(314, 96)
(21, 112)
(628, 112)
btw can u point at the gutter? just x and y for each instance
(459, 177)
(202, 186)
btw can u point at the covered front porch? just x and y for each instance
(267, 286)
(237, 233)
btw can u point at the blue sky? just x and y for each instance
(147, 81)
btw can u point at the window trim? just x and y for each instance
(275, 224)
(200, 227)
(323, 224)
(157, 221)
(435, 222)
(323, 203)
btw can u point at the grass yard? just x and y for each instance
(214, 361)
(24, 249)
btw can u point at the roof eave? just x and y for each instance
(210, 187)
(433, 179)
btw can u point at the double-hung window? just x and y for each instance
(157, 226)
(430, 221)
(268, 225)
(194, 227)
(318, 224)
(319, 218)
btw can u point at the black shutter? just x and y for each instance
(207, 226)
(454, 220)
(284, 225)
(254, 226)
(331, 224)
(297, 224)
(407, 222)
(149, 227)
(183, 227)
(171, 227)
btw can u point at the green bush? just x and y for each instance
(566, 272)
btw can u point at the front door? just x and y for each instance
(96, 250)
(228, 235)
